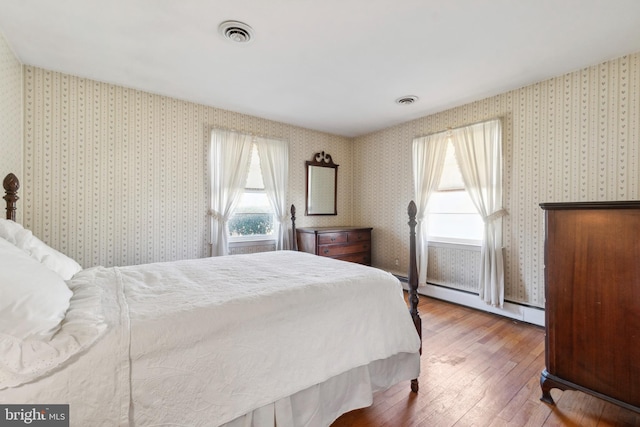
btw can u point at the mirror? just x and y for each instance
(322, 185)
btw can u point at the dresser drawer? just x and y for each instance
(358, 236)
(328, 238)
(361, 258)
(331, 250)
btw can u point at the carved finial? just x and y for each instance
(11, 186)
(412, 210)
(11, 183)
(294, 245)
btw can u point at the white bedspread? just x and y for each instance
(201, 342)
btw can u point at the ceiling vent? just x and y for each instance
(407, 100)
(237, 32)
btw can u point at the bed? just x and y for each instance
(239, 340)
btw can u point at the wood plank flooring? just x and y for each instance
(479, 369)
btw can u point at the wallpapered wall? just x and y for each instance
(10, 116)
(115, 176)
(571, 138)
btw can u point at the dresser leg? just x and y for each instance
(545, 385)
(547, 382)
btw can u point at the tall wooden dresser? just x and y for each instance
(592, 275)
(346, 243)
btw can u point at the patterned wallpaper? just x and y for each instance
(10, 117)
(572, 138)
(115, 176)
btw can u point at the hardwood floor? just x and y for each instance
(480, 369)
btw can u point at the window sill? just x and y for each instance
(468, 245)
(251, 241)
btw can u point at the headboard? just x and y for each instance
(11, 186)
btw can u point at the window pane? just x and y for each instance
(455, 226)
(253, 216)
(253, 202)
(451, 214)
(451, 202)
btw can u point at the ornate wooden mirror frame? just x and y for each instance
(322, 185)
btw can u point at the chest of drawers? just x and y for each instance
(346, 243)
(592, 289)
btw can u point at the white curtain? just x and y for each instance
(478, 151)
(229, 159)
(428, 162)
(274, 162)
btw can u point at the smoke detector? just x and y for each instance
(407, 100)
(235, 31)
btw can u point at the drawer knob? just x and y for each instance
(326, 251)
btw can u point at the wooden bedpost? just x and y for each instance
(11, 186)
(294, 243)
(413, 280)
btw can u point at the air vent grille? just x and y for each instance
(407, 100)
(235, 31)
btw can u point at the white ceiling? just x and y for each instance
(330, 65)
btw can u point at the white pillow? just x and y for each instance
(37, 249)
(33, 298)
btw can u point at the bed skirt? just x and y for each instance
(321, 404)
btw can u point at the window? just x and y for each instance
(444, 203)
(451, 215)
(253, 216)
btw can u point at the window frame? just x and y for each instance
(267, 238)
(457, 241)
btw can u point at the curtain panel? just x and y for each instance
(230, 154)
(274, 161)
(428, 161)
(478, 152)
